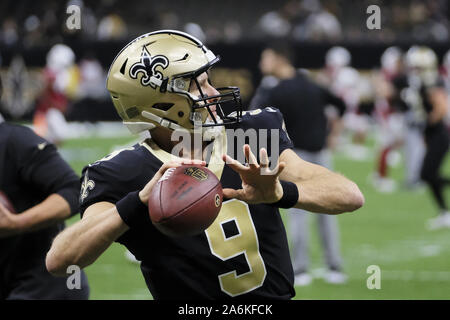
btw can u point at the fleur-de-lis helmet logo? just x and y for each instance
(147, 65)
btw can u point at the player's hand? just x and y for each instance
(145, 192)
(259, 183)
(9, 222)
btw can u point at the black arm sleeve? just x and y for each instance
(397, 103)
(41, 166)
(263, 94)
(261, 98)
(334, 100)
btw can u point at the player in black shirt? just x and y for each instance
(302, 101)
(159, 82)
(44, 191)
(304, 105)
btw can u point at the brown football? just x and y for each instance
(185, 201)
(4, 200)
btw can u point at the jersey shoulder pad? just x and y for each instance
(267, 118)
(108, 178)
(117, 158)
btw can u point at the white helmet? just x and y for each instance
(390, 59)
(420, 57)
(337, 57)
(60, 57)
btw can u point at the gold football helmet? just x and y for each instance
(149, 83)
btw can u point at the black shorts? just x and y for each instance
(437, 141)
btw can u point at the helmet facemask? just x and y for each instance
(228, 103)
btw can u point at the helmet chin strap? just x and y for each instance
(161, 121)
(208, 133)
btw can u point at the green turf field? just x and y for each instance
(389, 231)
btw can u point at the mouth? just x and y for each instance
(213, 111)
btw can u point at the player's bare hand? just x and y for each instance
(145, 192)
(259, 183)
(9, 222)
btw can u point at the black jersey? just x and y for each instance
(243, 254)
(30, 170)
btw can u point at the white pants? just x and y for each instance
(414, 153)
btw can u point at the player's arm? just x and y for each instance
(102, 223)
(83, 242)
(320, 190)
(53, 209)
(334, 100)
(42, 168)
(335, 122)
(439, 100)
(316, 188)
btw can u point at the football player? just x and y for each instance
(44, 191)
(427, 101)
(60, 79)
(346, 82)
(391, 122)
(305, 105)
(159, 82)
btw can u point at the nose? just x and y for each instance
(210, 93)
(212, 107)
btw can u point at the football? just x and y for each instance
(185, 201)
(6, 202)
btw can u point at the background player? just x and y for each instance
(159, 82)
(346, 82)
(60, 77)
(44, 191)
(427, 100)
(388, 114)
(304, 105)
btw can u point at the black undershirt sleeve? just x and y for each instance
(41, 166)
(334, 100)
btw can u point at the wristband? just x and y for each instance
(290, 195)
(131, 209)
